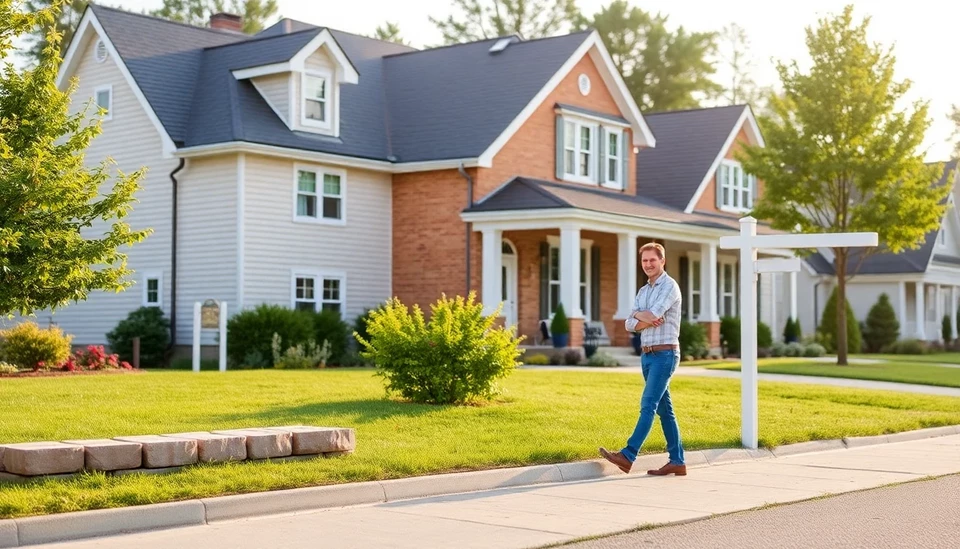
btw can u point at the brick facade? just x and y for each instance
(708, 200)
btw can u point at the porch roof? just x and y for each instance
(523, 193)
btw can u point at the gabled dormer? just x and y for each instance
(304, 91)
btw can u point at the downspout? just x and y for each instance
(469, 179)
(173, 259)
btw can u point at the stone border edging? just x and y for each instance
(104, 522)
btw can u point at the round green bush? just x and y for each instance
(560, 324)
(882, 326)
(730, 334)
(250, 334)
(778, 349)
(153, 329)
(907, 347)
(693, 339)
(792, 331)
(794, 349)
(27, 345)
(828, 326)
(454, 358)
(814, 350)
(764, 336)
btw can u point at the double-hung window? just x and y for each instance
(320, 195)
(318, 292)
(735, 187)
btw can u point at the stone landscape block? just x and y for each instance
(158, 451)
(319, 440)
(264, 443)
(109, 455)
(212, 448)
(42, 458)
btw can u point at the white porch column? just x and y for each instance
(626, 274)
(939, 309)
(570, 271)
(492, 285)
(708, 283)
(953, 310)
(921, 311)
(902, 309)
(774, 295)
(793, 295)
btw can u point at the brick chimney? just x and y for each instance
(226, 21)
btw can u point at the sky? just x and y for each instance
(921, 31)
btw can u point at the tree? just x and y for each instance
(882, 326)
(65, 23)
(255, 13)
(484, 19)
(663, 70)
(733, 49)
(839, 157)
(830, 326)
(955, 118)
(51, 252)
(389, 32)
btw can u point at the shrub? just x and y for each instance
(778, 349)
(329, 327)
(792, 331)
(456, 357)
(572, 357)
(603, 359)
(828, 326)
(693, 339)
(814, 350)
(153, 329)
(301, 356)
(556, 359)
(560, 324)
(536, 360)
(794, 349)
(27, 345)
(730, 334)
(946, 330)
(882, 326)
(360, 325)
(6, 368)
(764, 336)
(94, 357)
(250, 333)
(907, 347)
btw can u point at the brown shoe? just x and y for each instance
(618, 459)
(669, 469)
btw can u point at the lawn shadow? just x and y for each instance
(356, 412)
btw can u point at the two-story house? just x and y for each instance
(314, 168)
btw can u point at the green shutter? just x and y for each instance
(625, 160)
(544, 280)
(559, 152)
(601, 153)
(595, 283)
(718, 179)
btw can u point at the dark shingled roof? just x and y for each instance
(907, 261)
(688, 142)
(410, 105)
(523, 193)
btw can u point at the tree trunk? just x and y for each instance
(841, 268)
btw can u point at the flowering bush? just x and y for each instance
(94, 357)
(27, 345)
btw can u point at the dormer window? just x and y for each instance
(315, 101)
(590, 148)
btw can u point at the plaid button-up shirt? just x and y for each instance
(662, 299)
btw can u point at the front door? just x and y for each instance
(509, 292)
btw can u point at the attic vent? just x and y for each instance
(502, 44)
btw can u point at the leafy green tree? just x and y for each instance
(60, 226)
(255, 13)
(840, 156)
(954, 117)
(484, 19)
(65, 24)
(663, 69)
(829, 330)
(390, 32)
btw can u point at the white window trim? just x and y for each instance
(942, 237)
(147, 276)
(578, 124)
(595, 177)
(585, 245)
(328, 112)
(737, 186)
(320, 171)
(109, 89)
(721, 310)
(607, 157)
(691, 258)
(318, 278)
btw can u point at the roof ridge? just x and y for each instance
(162, 20)
(517, 44)
(255, 38)
(412, 49)
(696, 109)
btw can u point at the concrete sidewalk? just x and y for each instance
(538, 515)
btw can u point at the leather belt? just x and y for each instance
(652, 348)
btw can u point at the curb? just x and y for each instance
(107, 522)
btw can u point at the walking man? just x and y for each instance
(656, 315)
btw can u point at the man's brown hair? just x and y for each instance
(661, 253)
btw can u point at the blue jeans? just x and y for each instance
(657, 368)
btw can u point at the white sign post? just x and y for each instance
(748, 242)
(210, 314)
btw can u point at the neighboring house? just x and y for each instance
(313, 168)
(923, 283)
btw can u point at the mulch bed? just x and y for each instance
(58, 373)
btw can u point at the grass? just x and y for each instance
(898, 372)
(542, 417)
(941, 358)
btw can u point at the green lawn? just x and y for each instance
(900, 372)
(942, 358)
(543, 417)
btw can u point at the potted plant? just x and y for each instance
(559, 328)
